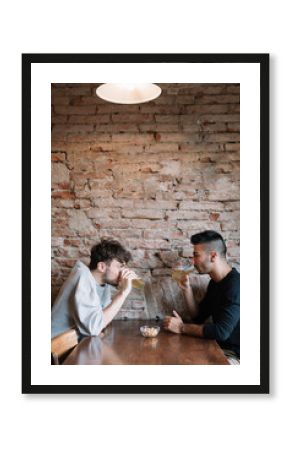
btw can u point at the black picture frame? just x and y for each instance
(263, 61)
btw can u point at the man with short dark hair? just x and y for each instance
(222, 299)
(84, 301)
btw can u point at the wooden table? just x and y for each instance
(122, 343)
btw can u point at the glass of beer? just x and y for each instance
(138, 283)
(179, 272)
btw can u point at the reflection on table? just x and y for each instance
(122, 343)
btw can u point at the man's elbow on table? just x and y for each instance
(91, 326)
(217, 332)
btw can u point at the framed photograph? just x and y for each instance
(154, 152)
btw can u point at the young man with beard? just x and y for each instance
(84, 301)
(221, 301)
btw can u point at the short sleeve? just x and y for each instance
(87, 308)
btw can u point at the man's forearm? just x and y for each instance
(192, 329)
(111, 310)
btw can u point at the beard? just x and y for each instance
(203, 268)
(110, 281)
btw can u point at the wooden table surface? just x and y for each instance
(122, 343)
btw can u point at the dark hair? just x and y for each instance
(213, 240)
(106, 251)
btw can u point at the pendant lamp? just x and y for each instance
(128, 94)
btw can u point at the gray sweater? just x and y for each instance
(80, 303)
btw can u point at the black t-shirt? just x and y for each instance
(222, 302)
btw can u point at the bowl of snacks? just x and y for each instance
(149, 330)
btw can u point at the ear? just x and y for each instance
(101, 267)
(213, 256)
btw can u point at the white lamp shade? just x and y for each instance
(128, 94)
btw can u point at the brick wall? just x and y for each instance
(149, 175)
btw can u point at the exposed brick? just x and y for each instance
(216, 99)
(214, 127)
(176, 137)
(167, 119)
(172, 168)
(124, 109)
(153, 204)
(232, 147)
(149, 175)
(197, 226)
(63, 194)
(59, 119)
(60, 100)
(84, 100)
(187, 215)
(165, 100)
(222, 137)
(115, 224)
(132, 118)
(72, 242)
(132, 138)
(75, 128)
(70, 91)
(201, 206)
(232, 206)
(87, 119)
(162, 148)
(233, 89)
(56, 242)
(143, 214)
(58, 157)
(232, 225)
(103, 213)
(232, 193)
(82, 203)
(207, 109)
(95, 195)
(214, 118)
(214, 216)
(198, 147)
(230, 216)
(122, 234)
(62, 203)
(69, 110)
(92, 138)
(148, 244)
(148, 224)
(159, 128)
(163, 234)
(70, 147)
(80, 223)
(60, 174)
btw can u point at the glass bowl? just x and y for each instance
(149, 331)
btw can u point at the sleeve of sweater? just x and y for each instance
(227, 318)
(87, 308)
